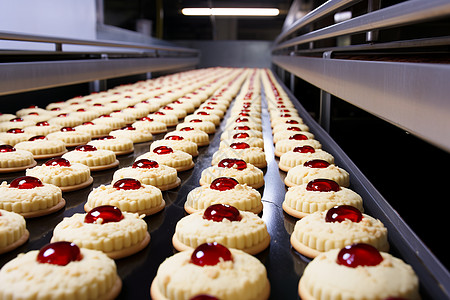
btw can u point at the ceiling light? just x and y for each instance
(230, 12)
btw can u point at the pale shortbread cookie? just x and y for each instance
(182, 145)
(300, 175)
(13, 231)
(71, 138)
(168, 119)
(92, 277)
(197, 136)
(251, 141)
(252, 155)
(154, 127)
(231, 123)
(60, 176)
(248, 234)
(252, 176)
(286, 145)
(282, 120)
(137, 135)
(179, 113)
(313, 235)
(187, 106)
(117, 145)
(114, 123)
(284, 126)
(211, 118)
(324, 279)
(292, 159)
(66, 120)
(94, 130)
(7, 117)
(179, 160)
(112, 238)
(300, 202)
(145, 200)
(229, 133)
(242, 196)
(137, 111)
(5, 126)
(43, 148)
(85, 114)
(12, 139)
(212, 110)
(205, 126)
(127, 117)
(163, 177)
(92, 159)
(243, 278)
(41, 129)
(16, 159)
(286, 134)
(29, 200)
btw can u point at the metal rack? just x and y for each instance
(98, 60)
(409, 93)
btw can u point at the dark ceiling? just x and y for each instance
(174, 26)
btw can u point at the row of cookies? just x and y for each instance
(332, 230)
(99, 215)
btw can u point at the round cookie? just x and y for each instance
(107, 229)
(336, 228)
(151, 173)
(223, 224)
(316, 168)
(185, 276)
(241, 150)
(169, 110)
(177, 142)
(128, 195)
(70, 136)
(43, 148)
(60, 172)
(14, 136)
(94, 130)
(165, 155)
(284, 126)
(120, 146)
(205, 116)
(114, 123)
(236, 168)
(318, 195)
(224, 190)
(85, 274)
(13, 160)
(66, 120)
(95, 159)
(137, 135)
(13, 231)
(169, 119)
(286, 134)
(29, 197)
(198, 124)
(300, 155)
(41, 128)
(197, 136)
(243, 137)
(229, 133)
(327, 277)
(19, 123)
(296, 140)
(150, 125)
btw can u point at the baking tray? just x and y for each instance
(284, 265)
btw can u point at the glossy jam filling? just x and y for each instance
(218, 212)
(322, 185)
(107, 214)
(316, 163)
(298, 137)
(145, 164)
(62, 162)
(304, 149)
(43, 123)
(162, 150)
(106, 137)
(356, 255)
(239, 164)
(174, 138)
(241, 135)
(342, 213)
(37, 138)
(26, 183)
(239, 145)
(127, 184)
(67, 129)
(15, 130)
(210, 254)
(59, 253)
(85, 148)
(187, 129)
(7, 148)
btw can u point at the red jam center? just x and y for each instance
(239, 120)
(161, 150)
(107, 213)
(298, 137)
(174, 138)
(195, 121)
(218, 212)
(241, 128)
(85, 148)
(128, 128)
(186, 129)
(7, 148)
(88, 123)
(59, 253)
(231, 162)
(62, 115)
(15, 130)
(239, 145)
(359, 255)
(66, 129)
(322, 185)
(37, 137)
(106, 137)
(160, 113)
(316, 163)
(127, 184)
(26, 183)
(291, 122)
(62, 162)
(294, 129)
(44, 123)
(210, 254)
(145, 164)
(304, 149)
(146, 119)
(343, 212)
(203, 113)
(204, 297)
(241, 135)
(16, 120)
(223, 184)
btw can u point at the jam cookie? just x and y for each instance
(14, 160)
(165, 155)
(150, 125)
(316, 168)
(13, 231)
(295, 140)
(43, 148)
(300, 155)
(177, 142)
(94, 130)
(120, 146)
(241, 150)
(14, 136)
(105, 228)
(70, 136)
(137, 135)
(224, 224)
(95, 159)
(189, 133)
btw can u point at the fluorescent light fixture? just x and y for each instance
(266, 12)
